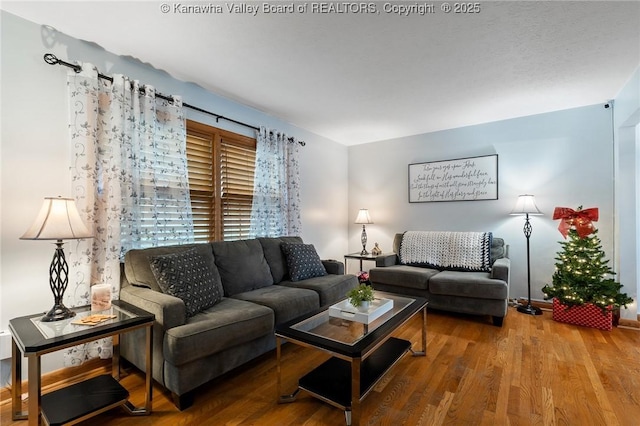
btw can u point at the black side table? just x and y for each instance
(360, 257)
(72, 404)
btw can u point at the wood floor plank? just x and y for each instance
(531, 371)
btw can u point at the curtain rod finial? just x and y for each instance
(51, 59)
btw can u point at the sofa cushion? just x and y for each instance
(286, 302)
(188, 276)
(242, 266)
(498, 249)
(334, 267)
(468, 284)
(402, 275)
(275, 257)
(229, 323)
(331, 288)
(137, 268)
(303, 261)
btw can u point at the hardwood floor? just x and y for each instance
(532, 371)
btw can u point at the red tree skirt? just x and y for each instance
(587, 315)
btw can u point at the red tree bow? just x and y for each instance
(581, 219)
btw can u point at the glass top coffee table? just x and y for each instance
(361, 353)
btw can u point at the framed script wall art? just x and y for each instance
(463, 179)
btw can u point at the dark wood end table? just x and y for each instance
(72, 404)
(360, 257)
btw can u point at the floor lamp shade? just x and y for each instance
(363, 219)
(526, 205)
(58, 220)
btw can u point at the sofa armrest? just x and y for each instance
(169, 310)
(386, 259)
(500, 269)
(333, 267)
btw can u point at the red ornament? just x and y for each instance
(580, 219)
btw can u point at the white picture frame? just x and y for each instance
(462, 179)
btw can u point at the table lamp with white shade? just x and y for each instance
(58, 220)
(363, 219)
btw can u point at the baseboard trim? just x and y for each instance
(62, 377)
(629, 323)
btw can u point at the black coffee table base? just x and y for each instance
(331, 381)
(356, 364)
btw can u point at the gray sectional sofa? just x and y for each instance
(216, 305)
(451, 289)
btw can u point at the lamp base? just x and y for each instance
(528, 309)
(364, 252)
(57, 313)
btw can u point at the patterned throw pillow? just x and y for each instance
(303, 261)
(189, 276)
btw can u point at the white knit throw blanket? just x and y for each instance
(462, 251)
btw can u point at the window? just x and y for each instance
(221, 166)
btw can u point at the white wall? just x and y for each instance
(563, 158)
(35, 155)
(627, 179)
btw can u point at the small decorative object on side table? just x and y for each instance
(376, 250)
(100, 297)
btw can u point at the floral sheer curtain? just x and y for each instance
(276, 189)
(129, 176)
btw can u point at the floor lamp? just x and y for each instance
(526, 205)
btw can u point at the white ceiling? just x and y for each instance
(361, 77)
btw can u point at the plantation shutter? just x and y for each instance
(237, 170)
(200, 160)
(221, 169)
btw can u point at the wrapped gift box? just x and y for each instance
(587, 315)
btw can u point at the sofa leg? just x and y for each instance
(182, 402)
(497, 321)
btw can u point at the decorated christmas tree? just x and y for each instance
(582, 272)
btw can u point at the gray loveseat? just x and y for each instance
(468, 292)
(223, 315)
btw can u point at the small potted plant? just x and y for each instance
(361, 296)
